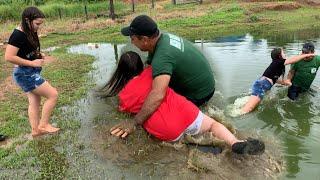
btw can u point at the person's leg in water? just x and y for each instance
(293, 92)
(251, 104)
(250, 146)
(259, 89)
(49, 92)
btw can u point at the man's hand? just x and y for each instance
(287, 82)
(123, 129)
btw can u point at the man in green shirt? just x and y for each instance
(303, 72)
(175, 62)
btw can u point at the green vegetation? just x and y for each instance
(56, 9)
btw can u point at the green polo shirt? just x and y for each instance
(305, 72)
(190, 71)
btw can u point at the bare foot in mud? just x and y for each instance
(49, 128)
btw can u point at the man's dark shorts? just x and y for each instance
(199, 102)
(294, 91)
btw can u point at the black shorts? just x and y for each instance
(294, 91)
(199, 102)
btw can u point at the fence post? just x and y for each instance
(174, 2)
(59, 11)
(132, 5)
(86, 11)
(111, 6)
(152, 4)
(115, 48)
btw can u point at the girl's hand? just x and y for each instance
(37, 63)
(123, 129)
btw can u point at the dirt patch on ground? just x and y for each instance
(310, 2)
(274, 6)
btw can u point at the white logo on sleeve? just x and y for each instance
(176, 41)
(313, 70)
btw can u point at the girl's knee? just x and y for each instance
(54, 94)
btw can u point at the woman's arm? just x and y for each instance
(297, 58)
(11, 56)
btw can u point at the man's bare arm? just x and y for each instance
(154, 99)
(152, 102)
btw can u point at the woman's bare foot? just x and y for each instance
(48, 128)
(35, 133)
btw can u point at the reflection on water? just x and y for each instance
(237, 61)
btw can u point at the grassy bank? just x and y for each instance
(35, 157)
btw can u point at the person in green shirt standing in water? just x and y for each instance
(175, 62)
(303, 72)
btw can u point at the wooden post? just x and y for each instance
(60, 15)
(152, 4)
(111, 7)
(115, 47)
(174, 2)
(86, 11)
(132, 5)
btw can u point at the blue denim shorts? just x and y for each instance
(28, 78)
(260, 87)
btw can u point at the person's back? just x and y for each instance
(172, 117)
(191, 74)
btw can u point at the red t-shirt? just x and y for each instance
(171, 118)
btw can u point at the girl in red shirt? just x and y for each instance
(175, 116)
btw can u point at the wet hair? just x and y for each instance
(277, 56)
(129, 66)
(28, 15)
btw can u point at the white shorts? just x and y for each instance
(193, 128)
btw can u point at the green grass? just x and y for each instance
(55, 9)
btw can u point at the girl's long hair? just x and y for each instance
(130, 65)
(277, 56)
(28, 15)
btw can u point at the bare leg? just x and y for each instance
(33, 112)
(51, 94)
(251, 104)
(250, 146)
(221, 132)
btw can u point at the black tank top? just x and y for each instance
(275, 70)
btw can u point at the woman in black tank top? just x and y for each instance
(23, 51)
(271, 76)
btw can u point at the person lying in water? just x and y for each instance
(270, 77)
(175, 117)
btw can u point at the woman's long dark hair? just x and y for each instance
(28, 15)
(130, 65)
(277, 56)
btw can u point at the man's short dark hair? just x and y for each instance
(308, 48)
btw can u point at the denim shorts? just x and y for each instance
(28, 78)
(260, 87)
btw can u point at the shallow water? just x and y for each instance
(237, 61)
